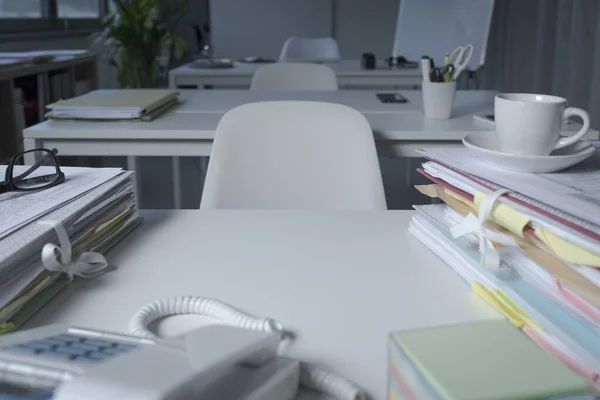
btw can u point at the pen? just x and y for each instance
(447, 73)
(426, 67)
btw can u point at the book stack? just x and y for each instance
(527, 244)
(126, 104)
(52, 236)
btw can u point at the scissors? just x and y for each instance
(441, 74)
(460, 58)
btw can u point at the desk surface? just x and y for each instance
(202, 126)
(341, 280)
(365, 101)
(198, 117)
(344, 68)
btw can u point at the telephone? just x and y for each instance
(237, 361)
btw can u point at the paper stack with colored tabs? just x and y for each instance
(50, 237)
(477, 361)
(527, 244)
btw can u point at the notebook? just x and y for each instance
(113, 104)
(477, 361)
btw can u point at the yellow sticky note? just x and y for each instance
(495, 302)
(566, 250)
(505, 216)
(518, 310)
(459, 198)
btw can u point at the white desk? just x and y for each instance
(350, 75)
(190, 129)
(341, 280)
(365, 101)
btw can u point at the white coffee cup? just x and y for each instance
(531, 124)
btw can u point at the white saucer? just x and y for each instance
(485, 145)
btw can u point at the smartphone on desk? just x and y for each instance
(391, 98)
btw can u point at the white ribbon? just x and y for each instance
(58, 258)
(489, 257)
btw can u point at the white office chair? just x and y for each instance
(293, 155)
(310, 50)
(294, 76)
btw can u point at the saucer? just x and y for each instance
(485, 145)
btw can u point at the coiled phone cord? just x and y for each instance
(312, 376)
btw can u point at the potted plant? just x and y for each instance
(138, 39)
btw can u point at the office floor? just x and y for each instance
(156, 172)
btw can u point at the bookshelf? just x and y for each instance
(26, 88)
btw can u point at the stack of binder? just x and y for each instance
(534, 254)
(95, 208)
(125, 104)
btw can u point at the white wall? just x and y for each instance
(259, 27)
(362, 26)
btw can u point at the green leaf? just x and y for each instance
(137, 33)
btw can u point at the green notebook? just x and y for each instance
(487, 360)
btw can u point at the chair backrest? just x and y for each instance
(294, 76)
(293, 155)
(310, 49)
(436, 27)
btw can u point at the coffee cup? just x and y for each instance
(531, 124)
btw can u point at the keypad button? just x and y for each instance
(39, 345)
(60, 356)
(84, 346)
(69, 347)
(99, 343)
(71, 351)
(23, 348)
(66, 338)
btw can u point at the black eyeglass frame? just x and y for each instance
(8, 185)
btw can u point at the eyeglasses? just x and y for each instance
(44, 174)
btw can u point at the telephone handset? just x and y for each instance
(235, 362)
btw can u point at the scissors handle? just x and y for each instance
(460, 58)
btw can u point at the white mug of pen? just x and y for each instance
(439, 83)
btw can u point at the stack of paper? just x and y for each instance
(535, 257)
(478, 361)
(96, 208)
(114, 104)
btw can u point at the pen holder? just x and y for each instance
(438, 98)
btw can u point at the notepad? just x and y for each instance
(478, 361)
(113, 104)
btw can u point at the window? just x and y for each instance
(78, 8)
(44, 15)
(20, 8)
